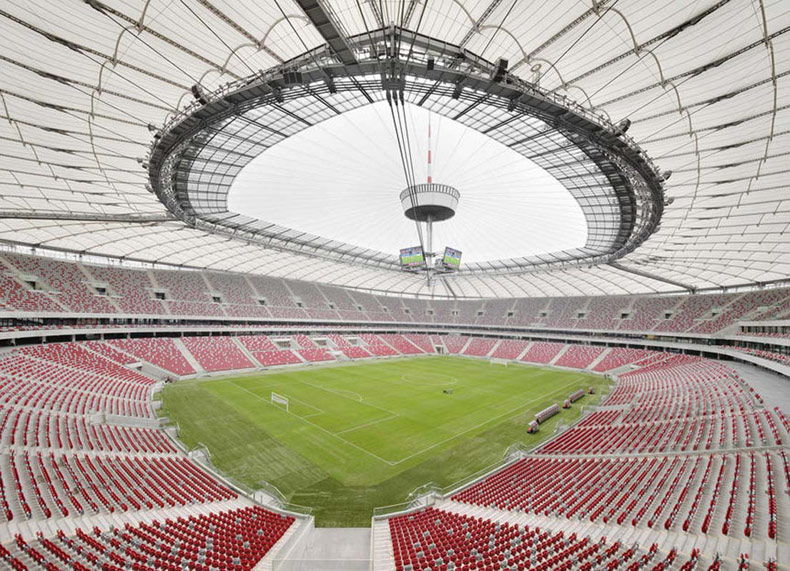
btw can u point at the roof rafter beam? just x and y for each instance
(85, 216)
(480, 21)
(325, 23)
(652, 276)
(672, 32)
(240, 29)
(697, 70)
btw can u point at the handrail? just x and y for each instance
(280, 500)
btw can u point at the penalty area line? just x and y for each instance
(322, 429)
(345, 396)
(338, 392)
(307, 404)
(372, 422)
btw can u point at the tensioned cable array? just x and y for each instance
(404, 149)
(401, 124)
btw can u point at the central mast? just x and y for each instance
(428, 203)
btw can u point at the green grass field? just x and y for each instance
(363, 435)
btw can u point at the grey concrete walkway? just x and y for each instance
(330, 549)
(773, 387)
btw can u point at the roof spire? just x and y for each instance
(430, 178)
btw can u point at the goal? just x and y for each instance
(280, 400)
(494, 361)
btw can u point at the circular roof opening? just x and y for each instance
(341, 179)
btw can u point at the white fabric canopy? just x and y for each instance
(704, 83)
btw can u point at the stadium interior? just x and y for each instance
(394, 285)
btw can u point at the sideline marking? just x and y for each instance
(509, 412)
(320, 388)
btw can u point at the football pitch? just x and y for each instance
(360, 435)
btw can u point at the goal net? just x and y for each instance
(280, 400)
(494, 361)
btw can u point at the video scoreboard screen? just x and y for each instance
(412, 257)
(451, 259)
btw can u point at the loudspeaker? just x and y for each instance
(501, 70)
(292, 77)
(197, 93)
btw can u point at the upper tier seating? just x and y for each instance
(131, 290)
(647, 312)
(527, 311)
(67, 287)
(279, 301)
(187, 293)
(604, 312)
(692, 309)
(495, 312)
(563, 313)
(238, 298)
(370, 305)
(742, 307)
(64, 281)
(315, 304)
(14, 296)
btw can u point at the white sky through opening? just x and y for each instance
(341, 179)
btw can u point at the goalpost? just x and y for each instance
(281, 400)
(494, 361)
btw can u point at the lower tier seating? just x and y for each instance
(217, 353)
(233, 540)
(436, 539)
(159, 351)
(316, 355)
(542, 352)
